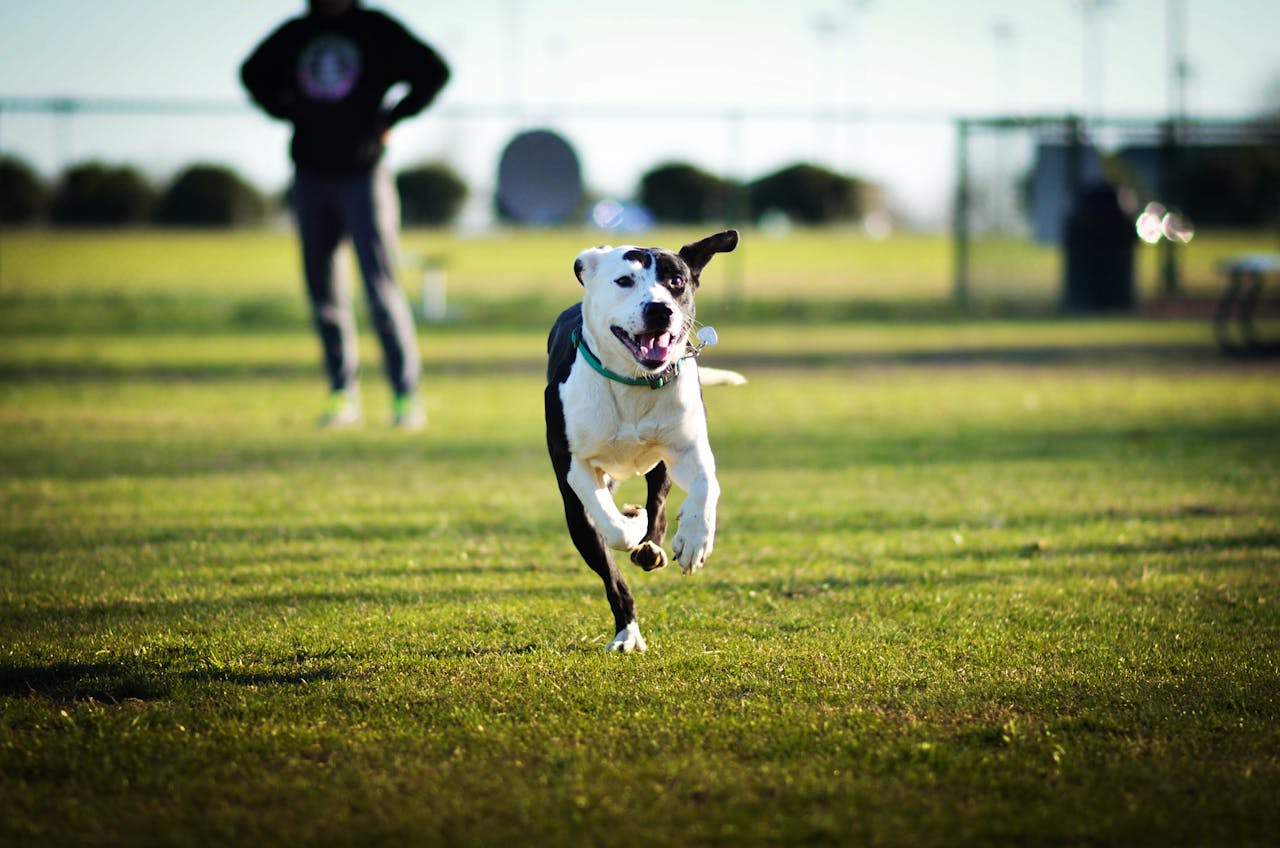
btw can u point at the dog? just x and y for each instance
(624, 399)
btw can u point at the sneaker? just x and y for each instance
(342, 409)
(407, 412)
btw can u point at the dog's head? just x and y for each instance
(637, 303)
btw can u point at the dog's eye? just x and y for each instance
(677, 284)
(625, 282)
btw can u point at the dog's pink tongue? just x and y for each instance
(655, 346)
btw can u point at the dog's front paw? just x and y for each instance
(692, 545)
(627, 640)
(629, 531)
(649, 556)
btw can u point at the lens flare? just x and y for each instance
(1149, 224)
(1177, 228)
(1157, 222)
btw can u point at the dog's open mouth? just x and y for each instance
(652, 350)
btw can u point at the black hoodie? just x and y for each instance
(328, 77)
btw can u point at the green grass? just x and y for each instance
(510, 263)
(820, 264)
(976, 582)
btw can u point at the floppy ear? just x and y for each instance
(587, 260)
(698, 254)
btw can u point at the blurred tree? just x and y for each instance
(204, 195)
(679, 193)
(24, 198)
(808, 194)
(431, 194)
(96, 194)
(1232, 186)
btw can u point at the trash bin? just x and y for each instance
(1099, 244)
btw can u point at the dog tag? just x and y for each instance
(708, 337)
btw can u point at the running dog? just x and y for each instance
(623, 399)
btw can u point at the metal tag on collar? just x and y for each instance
(706, 338)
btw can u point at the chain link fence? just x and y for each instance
(1194, 194)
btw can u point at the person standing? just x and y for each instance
(327, 73)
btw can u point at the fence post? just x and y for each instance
(435, 305)
(1170, 188)
(960, 216)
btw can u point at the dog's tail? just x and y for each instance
(719, 377)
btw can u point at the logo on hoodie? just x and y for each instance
(329, 67)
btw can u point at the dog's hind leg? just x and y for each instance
(649, 555)
(597, 555)
(590, 544)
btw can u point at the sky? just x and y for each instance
(739, 87)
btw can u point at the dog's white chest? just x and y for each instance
(623, 459)
(625, 437)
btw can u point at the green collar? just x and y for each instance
(657, 381)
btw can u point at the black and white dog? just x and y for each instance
(624, 398)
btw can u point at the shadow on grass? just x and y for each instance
(1034, 524)
(364, 599)
(1082, 356)
(770, 447)
(163, 676)
(263, 540)
(119, 682)
(1172, 353)
(176, 454)
(977, 565)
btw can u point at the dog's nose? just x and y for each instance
(657, 315)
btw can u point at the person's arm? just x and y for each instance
(421, 67)
(268, 76)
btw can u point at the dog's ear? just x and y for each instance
(698, 254)
(587, 259)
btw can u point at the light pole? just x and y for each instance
(1093, 56)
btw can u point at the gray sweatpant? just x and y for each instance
(366, 210)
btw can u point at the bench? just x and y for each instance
(1246, 276)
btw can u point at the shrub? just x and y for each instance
(1231, 185)
(431, 194)
(679, 193)
(209, 196)
(24, 198)
(807, 193)
(96, 194)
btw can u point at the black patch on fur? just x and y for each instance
(639, 254)
(699, 253)
(670, 267)
(674, 273)
(560, 348)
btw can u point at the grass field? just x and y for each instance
(977, 582)
(810, 265)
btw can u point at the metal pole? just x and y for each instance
(1179, 67)
(735, 211)
(1171, 189)
(960, 216)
